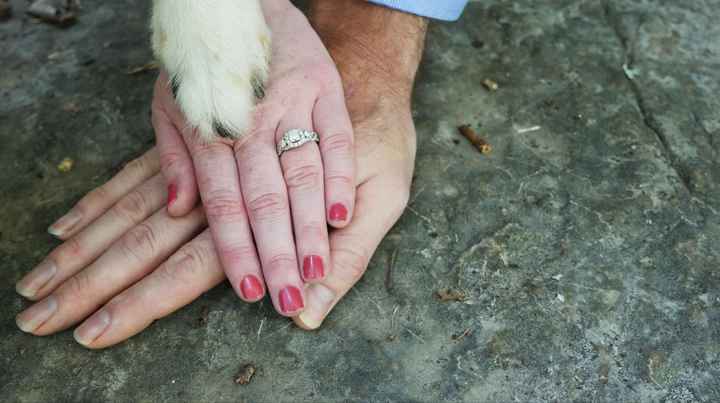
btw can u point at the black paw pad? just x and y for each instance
(222, 131)
(258, 86)
(175, 86)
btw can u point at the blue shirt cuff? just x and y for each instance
(447, 10)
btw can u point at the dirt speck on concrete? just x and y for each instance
(245, 375)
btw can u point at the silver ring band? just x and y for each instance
(295, 138)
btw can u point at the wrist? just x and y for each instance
(375, 47)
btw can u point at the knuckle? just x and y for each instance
(268, 205)
(251, 145)
(338, 143)
(97, 197)
(132, 207)
(340, 180)
(242, 253)
(304, 177)
(187, 262)
(280, 262)
(172, 160)
(136, 168)
(224, 204)
(117, 301)
(205, 150)
(69, 250)
(140, 243)
(351, 264)
(314, 231)
(77, 286)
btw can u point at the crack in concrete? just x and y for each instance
(648, 119)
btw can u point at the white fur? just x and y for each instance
(214, 49)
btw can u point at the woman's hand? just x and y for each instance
(268, 216)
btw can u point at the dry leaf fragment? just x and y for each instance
(5, 10)
(58, 12)
(245, 375)
(203, 319)
(449, 294)
(71, 107)
(55, 56)
(66, 165)
(490, 84)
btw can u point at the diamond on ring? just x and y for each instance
(295, 138)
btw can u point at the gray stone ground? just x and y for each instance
(587, 248)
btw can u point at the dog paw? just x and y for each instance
(217, 55)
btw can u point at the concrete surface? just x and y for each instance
(587, 248)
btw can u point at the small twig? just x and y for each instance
(379, 308)
(392, 318)
(462, 335)
(280, 329)
(483, 146)
(262, 323)
(449, 294)
(423, 217)
(528, 129)
(414, 334)
(389, 272)
(142, 69)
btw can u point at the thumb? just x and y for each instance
(379, 205)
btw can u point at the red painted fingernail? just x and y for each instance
(291, 300)
(313, 268)
(172, 193)
(251, 288)
(338, 212)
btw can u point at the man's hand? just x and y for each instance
(131, 263)
(378, 81)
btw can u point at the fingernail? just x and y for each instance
(313, 268)
(32, 318)
(65, 224)
(338, 212)
(291, 300)
(320, 299)
(172, 193)
(251, 288)
(29, 285)
(95, 326)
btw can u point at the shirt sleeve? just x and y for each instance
(447, 10)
